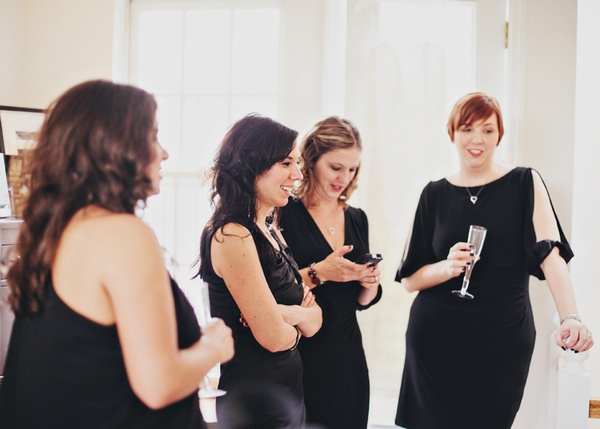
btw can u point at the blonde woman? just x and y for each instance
(327, 236)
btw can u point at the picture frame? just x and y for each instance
(6, 203)
(18, 129)
(18, 126)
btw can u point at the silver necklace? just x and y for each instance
(472, 197)
(316, 215)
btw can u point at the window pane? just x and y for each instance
(205, 120)
(185, 57)
(169, 129)
(242, 105)
(160, 54)
(255, 51)
(207, 60)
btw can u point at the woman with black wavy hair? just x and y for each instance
(254, 283)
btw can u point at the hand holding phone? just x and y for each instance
(371, 259)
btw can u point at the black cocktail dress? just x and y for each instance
(336, 377)
(467, 360)
(264, 389)
(64, 370)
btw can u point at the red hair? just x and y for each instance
(474, 107)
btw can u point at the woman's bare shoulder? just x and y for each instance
(232, 232)
(102, 229)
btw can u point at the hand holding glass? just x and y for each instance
(204, 319)
(476, 239)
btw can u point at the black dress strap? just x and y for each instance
(286, 253)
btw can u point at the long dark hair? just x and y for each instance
(252, 146)
(93, 149)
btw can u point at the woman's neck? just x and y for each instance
(477, 177)
(262, 214)
(324, 207)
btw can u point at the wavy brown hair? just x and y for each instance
(93, 149)
(331, 133)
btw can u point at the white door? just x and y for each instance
(407, 62)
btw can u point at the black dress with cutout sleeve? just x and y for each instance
(467, 360)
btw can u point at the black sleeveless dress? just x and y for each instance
(264, 389)
(66, 371)
(467, 360)
(336, 377)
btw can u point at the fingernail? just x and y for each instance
(469, 263)
(564, 348)
(472, 253)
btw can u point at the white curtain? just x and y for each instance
(405, 146)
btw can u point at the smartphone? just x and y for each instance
(371, 259)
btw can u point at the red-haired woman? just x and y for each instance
(467, 359)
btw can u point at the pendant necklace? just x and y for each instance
(330, 216)
(472, 197)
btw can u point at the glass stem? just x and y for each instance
(465, 285)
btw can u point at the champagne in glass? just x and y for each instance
(204, 319)
(476, 238)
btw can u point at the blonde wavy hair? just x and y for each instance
(331, 133)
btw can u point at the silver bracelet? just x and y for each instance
(298, 335)
(570, 316)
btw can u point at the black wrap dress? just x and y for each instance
(336, 377)
(467, 360)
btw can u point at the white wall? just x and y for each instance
(549, 109)
(11, 51)
(586, 176)
(53, 45)
(300, 75)
(554, 131)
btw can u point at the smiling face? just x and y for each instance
(274, 186)
(334, 171)
(477, 142)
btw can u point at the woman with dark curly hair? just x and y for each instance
(103, 338)
(254, 283)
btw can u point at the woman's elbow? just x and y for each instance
(274, 343)
(314, 326)
(154, 397)
(408, 285)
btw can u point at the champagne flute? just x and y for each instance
(204, 319)
(476, 238)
